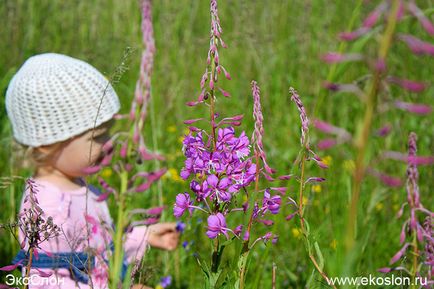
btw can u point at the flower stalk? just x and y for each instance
(363, 136)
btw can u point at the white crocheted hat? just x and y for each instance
(54, 97)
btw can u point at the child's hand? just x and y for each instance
(163, 236)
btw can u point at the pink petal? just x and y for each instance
(416, 45)
(424, 21)
(155, 211)
(420, 160)
(391, 181)
(190, 121)
(11, 267)
(349, 36)
(266, 222)
(326, 143)
(384, 131)
(333, 57)
(289, 217)
(384, 270)
(285, 177)
(103, 197)
(315, 180)
(421, 109)
(407, 84)
(399, 254)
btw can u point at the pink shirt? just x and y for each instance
(68, 210)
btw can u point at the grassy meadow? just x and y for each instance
(279, 44)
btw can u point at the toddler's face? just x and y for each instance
(82, 151)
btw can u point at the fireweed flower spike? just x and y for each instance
(374, 90)
(417, 238)
(129, 151)
(305, 155)
(259, 129)
(220, 164)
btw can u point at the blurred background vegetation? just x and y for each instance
(279, 44)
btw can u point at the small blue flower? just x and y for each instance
(180, 227)
(166, 281)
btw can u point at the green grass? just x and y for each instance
(277, 43)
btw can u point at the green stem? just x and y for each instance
(118, 252)
(215, 265)
(363, 136)
(302, 220)
(29, 266)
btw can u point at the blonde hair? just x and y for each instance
(32, 157)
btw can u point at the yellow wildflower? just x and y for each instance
(159, 286)
(106, 173)
(171, 128)
(296, 232)
(181, 139)
(349, 165)
(316, 188)
(333, 244)
(305, 200)
(379, 206)
(327, 160)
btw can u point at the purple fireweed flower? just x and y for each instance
(259, 128)
(373, 17)
(412, 174)
(414, 160)
(384, 270)
(328, 128)
(416, 45)
(407, 84)
(303, 117)
(230, 158)
(350, 36)
(218, 188)
(384, 130)
(334, 57)
(271, 203)
(416, 108)
(386, 179)
(399, 254)
(182, 203)
(429, 246)
(417, 233)
(345, 87)
(211, 77)
(216, 225)
(390, 180)
(238, 230)
(424, 21)
(326, 143)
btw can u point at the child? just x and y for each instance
(54, 102)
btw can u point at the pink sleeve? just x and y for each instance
(136, 243)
